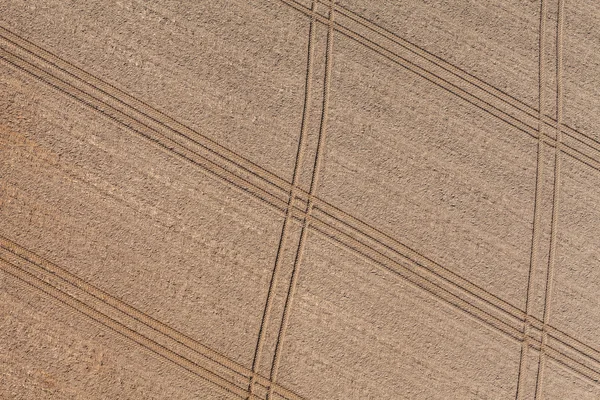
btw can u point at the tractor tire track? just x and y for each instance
(143, 130)
(312, 191)
(533, 261)
(485, 103)
(464, 78)
(280, 204)
(555, 198)
(43, 269)
(292, 196)
(420, 259)
(107, 322)
(135, 107)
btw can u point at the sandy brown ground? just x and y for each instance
(288, 199)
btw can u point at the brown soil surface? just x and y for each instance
(297, 199)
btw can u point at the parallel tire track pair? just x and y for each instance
(461, 84)
(129, 321)
(240, 172)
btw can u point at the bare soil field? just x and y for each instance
(298, 199)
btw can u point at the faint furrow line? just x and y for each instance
(548, 140)
(279, 208)
(504, 98)
(263, 197)
(98, 296)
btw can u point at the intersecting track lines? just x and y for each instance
(145, 130)
(243, 179)
(292, 197)
(341, 227)
(581, 148)
(463, 78)
(109, 310)
(536, 207)
(312, 191)
(555, 197)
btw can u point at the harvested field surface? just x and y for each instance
(300, 199)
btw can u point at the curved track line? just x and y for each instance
(282, 206)
(313, 187)
(454, 278)
(216, 174)
(280, 209)
(539, 180)
(289, 210)
(331, 210)
(556, 196)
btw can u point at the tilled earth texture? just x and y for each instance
(298, 199)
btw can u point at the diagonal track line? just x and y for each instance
(397, 257)
(166, 142)
(579, 147)
(283, 187)
(31, 279)
(143, 111)
(463, 77)
(328, 209)
(583, 355)
(99, 299)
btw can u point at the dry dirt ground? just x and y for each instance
(297, 199)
